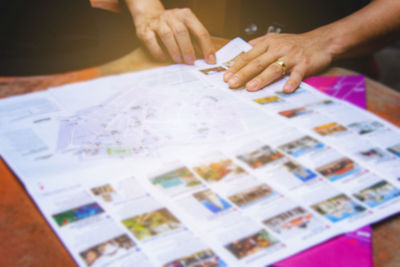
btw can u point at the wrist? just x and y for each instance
(330, 40)
(142, 9)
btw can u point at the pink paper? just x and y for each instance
(352, 249)
(349, 88)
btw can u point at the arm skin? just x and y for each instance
(360, 33)
(172, 29)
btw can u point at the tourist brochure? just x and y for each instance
(170, 167)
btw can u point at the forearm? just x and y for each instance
(363, 31)
(138, 8)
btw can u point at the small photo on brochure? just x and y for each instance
(294, 222)
(301, 146)
(260, 157)
(365, 127)
(291, 95)
(253, 195)
(252, 244)
(338, 208)
(323, 103)
(152, 224)
(292, 113)
(106, 192)
(213, 70)
(77, 214)
(395, 150)
(299, 171)
(378, 194)
(375, 154)
(176, 181)
(206, 258)
(211, 201)
(230, 62)
(332, 128)
(217, 170)
(107, 251)
(339, 169)
(269, 100)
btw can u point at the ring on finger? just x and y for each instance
(281, 63)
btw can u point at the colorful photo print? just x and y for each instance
(301, 146)
(293, 222)
(322, 103)
(107, 251)
(251, 245)
(181, 177)
(260, 157)
(152, 223)
(375, 154)
(252, 195)
(206, 258)
(106, 192)
(76, 214)
(218, 170)
(365, 127)
(339, 169)
(378, 194)
(299, 171)
(269, 100)
(212, 201)
(291, 113)
(230, 62)
(330, 129)
(213, 70)
(395, 150)
(338, 208)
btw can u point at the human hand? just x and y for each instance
(174, 29)
(299, 54)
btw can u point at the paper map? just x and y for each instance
(169, 167)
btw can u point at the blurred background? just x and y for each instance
(43, 37)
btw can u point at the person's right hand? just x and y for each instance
(173, 29)
(274, 55)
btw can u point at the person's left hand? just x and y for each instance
(274, 55)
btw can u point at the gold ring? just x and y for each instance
(283, 66)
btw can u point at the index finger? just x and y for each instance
(243, 60)
(201, 34)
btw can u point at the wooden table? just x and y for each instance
(27, 240)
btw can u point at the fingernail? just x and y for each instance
(288, 88)
(211, 59)
(189, 60)
(227, 75)
(234, 81)
(177, 59)
(252, 85)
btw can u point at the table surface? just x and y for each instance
(27, 240)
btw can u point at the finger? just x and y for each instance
(296, 76)
(201, 34)
(149, 39)
(255, 41)
(249, 71)
(269, 75)
(167, 37)
(243, 60)
(184, 42)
